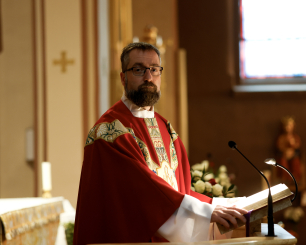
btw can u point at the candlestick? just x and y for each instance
(46, 179)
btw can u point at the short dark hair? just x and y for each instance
(125, 59)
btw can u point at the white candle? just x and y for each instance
(46, 176)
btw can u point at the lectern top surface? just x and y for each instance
(283, 238)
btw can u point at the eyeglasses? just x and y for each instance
(140, 71)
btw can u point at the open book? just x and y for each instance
(258, 203)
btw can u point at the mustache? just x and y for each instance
(147, 84)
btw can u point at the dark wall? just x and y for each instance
(216, 115)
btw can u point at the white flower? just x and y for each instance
(222, 169)
(217, 190)
(208, 177)
(192, 188)
(206, 164)
(201, 166)
(223, 176)
(197, 173)
(198, 166)
(199, 186)
(225, 183)
(208, 187)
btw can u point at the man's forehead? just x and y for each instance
(144, 56)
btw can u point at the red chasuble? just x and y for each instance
(134, 176)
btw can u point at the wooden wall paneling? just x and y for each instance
(63, 32)
(90, 78)
(16, 98)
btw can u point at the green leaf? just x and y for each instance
(224, 190)
(231, 187)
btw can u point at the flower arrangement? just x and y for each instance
(204, 181)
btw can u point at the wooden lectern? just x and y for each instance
(257, 231)
(283, 238)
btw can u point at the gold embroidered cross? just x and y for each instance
(63, 62)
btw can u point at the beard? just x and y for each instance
(144, 95)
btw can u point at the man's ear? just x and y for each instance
(122, 78)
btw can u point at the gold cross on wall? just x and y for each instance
(63, 62)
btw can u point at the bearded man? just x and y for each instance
(135, 181)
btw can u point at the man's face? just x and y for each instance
(142, 90)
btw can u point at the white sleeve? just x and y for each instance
(189, 223)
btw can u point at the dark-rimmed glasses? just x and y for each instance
(140, 71)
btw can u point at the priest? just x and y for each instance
(135, 180)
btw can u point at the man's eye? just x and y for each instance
(138, 69)
(154, 69)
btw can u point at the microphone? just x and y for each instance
(271, 233)
(271, 161)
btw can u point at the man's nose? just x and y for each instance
(147, 76)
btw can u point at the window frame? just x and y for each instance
(264, 84)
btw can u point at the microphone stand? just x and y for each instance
(271, 161)
(271, 233)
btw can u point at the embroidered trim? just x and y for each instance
(172, 132)
(145, 152)
(91, 136)
(168, 174)
(166, 170)
(173, 156)
(106, 131)
(157, 139)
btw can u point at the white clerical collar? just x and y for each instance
(136, 110)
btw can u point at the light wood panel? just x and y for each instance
(64, 96)
(283, 238)
(16, 98)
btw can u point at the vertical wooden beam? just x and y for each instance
(90, 74)
(44, 82)
(35, 114)
(183, 97)
(84, 67)
(1, 35)
(96, 58)
(92, 80)
(126, 27)
(39, 90)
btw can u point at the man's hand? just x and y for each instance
(224, 215)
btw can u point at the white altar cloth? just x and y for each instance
(30, 220)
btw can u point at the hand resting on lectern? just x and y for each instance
(224, 215)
